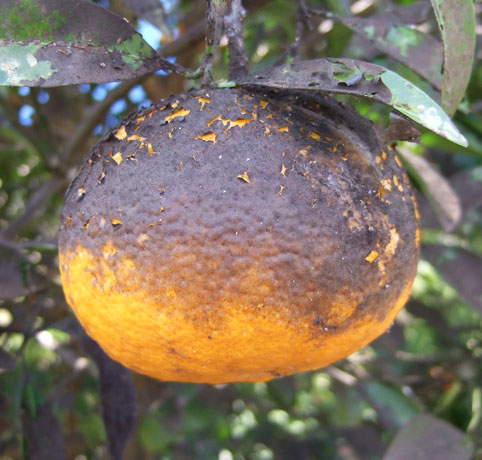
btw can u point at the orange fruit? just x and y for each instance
(226, 236)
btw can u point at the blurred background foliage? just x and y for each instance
(58, 397)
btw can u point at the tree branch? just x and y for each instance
(215, 15)
(233, 25)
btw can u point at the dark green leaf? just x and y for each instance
(359, 78)
(6, 362)
(43, 436)
(456, 20)
(62, 42)
(396, 408)
(427, 438)
(387, 32)
(437, 189)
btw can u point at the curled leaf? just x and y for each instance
(349, 76)
(43, 436)
(387, 31)
(456, 20)
(6, 362)
(437, 189)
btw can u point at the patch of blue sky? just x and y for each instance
(118, 106)
(84, 88)
(150, 33)
(100, 91)
(144, 103)
(25, 115)
(137, 94)
(24, 91)
(169, 4)
(43, 97)
(111, 120)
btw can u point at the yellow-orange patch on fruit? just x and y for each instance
(121, 133)
(207, 137)
(178, 113)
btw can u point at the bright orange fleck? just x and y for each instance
(263, 103)
(370, 258)
(283, 170)
(245, 177)
(207, 137)
(384, 155)
(387, 184)
(175, 104)
(139, 119)
(203, 101)
(399, 162)
(115, 221)
(284, 129)
(239, 122)
(121, 133)
(381, 192)
(178, 113)
(117, 157)
(218, 118)
(86, 225)
(135, 137)
(281, 188)
(315, 136)
(266, 131)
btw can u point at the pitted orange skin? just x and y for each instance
(237, 243)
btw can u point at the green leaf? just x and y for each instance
(61, 42)
(456, 20)
(412, 102)
(359, 78)
(387, 32)
(390, 402)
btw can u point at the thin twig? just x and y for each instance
(34, 206)
(233, 25)
(303, 14)
(215, 15)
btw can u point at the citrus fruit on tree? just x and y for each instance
(227, 236)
